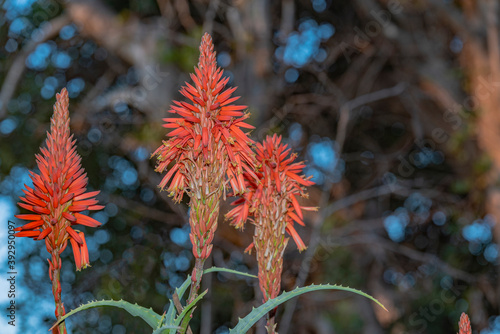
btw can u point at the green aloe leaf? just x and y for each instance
(171, 312)
(188, 307)
(164, 328)
(170, 317)
(182, 289)
(229, 271)
(148, 315)
(247, 322)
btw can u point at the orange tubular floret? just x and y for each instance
(30, 226)
(292, 215)
(77, 208)
(44, 233)
(27, 234)
(69, 217)
(291, 230)
(28, 217)
(85, 220)
(76, 254)
(87, 195)
(296, 206)
(74, 235)
(86, 202)
(84, 251)
(26, 206)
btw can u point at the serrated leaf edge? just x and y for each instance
(247, 322)
(137, 309)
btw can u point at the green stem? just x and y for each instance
(196, 280)
(56, 291)
(185, 321)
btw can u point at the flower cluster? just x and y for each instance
(271, 205)
(208, 151)
(209, 130)
(58, 198)
(464, 324)
(207, 147)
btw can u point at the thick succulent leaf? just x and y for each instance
(164, 329)
(182, 289)
(148, 315)
(188, 307)
(247, 322)
(229, 271)
(170, 317)
(171, 312)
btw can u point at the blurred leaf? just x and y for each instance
(460, 187)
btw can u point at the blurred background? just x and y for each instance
(394, 104)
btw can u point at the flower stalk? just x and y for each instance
(271, 205)
(207, 152)
(57, 199)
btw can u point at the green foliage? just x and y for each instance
(186, 313)
(158, 323)
(164, 328)
(148, 315)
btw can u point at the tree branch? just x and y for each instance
(16, 70)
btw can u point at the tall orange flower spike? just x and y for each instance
(58, 197)
(464, 324)
(273, 208)
(207, 148)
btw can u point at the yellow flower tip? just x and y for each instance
(239, 226)
(85, 266)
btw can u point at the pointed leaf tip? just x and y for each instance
(247, 322)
